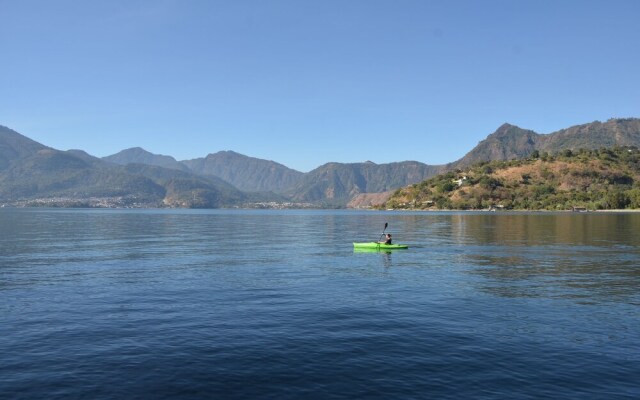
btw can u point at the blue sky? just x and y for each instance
(308, 82)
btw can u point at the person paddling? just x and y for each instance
(387, 239)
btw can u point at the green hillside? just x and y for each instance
(593, 179)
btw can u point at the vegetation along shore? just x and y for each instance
(601, 179)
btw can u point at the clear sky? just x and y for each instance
(306, 82)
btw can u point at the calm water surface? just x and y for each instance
(154, 304)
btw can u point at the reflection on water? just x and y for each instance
(590, 257)
(533, 229)
(586, 257)
(384, 255)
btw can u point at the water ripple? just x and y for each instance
(169, 304)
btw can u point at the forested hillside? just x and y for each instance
(592, 179)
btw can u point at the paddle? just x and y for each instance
(385, 228)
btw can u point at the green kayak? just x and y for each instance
(379, 246)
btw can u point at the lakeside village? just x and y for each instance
(69, 202)
(133, 202)
(129, 203)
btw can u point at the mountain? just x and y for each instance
(596, 179)
(14, 146)
(511, 142)
(595, 135)
(138, 155)
(246, 173)
(55, 173)
(30, 170)
(507, 142)
(262, 176)
(33, 171)
(335, 184)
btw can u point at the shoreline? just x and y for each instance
(635, 210)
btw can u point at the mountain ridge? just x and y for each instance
(29, 168)
(14, 146)
(510, 141)
(138, 155)
(244, 172)
(32, 171)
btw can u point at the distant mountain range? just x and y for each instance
(30, 171)
(332, 184)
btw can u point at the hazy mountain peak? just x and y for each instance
(133, 151)
(227, 154)
(138, 155)
(244, 172)
(137, 149)
(128, 152)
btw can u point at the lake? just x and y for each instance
(234, 304)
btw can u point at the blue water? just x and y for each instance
(162, 304)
